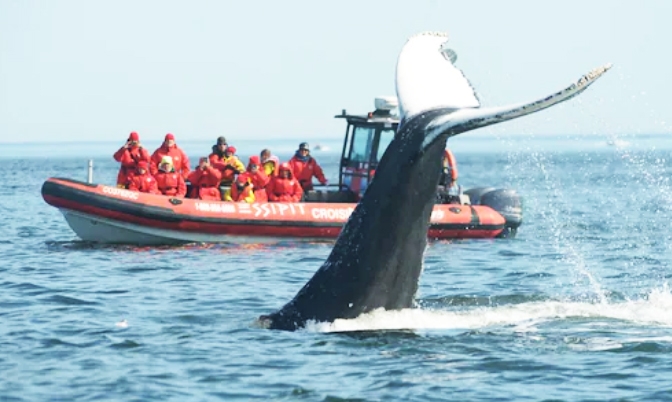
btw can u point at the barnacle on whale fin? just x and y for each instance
(593, 75)
(430, 33)
(448, 54)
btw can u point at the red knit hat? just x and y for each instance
(254, 160)
(231, 149)
(134, 136)
(169, 137)
(142, 165)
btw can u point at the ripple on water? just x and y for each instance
(28, 231)
(188, 311)
(69, 301)
(126, 344)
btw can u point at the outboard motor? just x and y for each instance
(476, 193)
(509, 204)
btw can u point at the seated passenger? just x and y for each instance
(259, 179)
(305, 167)
(242, 190)
(264, 154)
(270, 163)
(284, 187)
(142, 180)
(229, 165)
(205, 181)
(179, 158)
(168, 181)
(129, 155)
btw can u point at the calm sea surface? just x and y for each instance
(578, 307)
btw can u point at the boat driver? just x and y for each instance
(449, 191)
(305, 167)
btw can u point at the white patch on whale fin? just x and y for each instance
(469, 119)
(426, 77)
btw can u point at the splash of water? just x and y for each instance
(652, 309)
(537, 173)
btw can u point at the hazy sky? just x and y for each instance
(73, 70)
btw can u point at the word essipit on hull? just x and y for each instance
(378, 256)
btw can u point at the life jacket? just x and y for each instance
(129, 158)
(171, 183)
(229, 167)
(271, 166)
(144, 183)
(180, 160)
(304, 171)
(247, 194)
(259, 179)
(284, 189)
(205, 183)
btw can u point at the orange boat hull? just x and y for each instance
(107, 214)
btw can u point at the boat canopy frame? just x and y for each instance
(366, 139)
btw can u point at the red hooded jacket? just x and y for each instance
(205, 183)
(247, 191)
(129, 158)
(180, 160)
(305, 171)
(284, 189)
(143, 182)
(171, 183)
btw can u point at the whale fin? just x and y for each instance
(426, 77)
(469, 119)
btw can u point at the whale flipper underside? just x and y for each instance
(377, 259)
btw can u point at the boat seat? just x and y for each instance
(343, 196)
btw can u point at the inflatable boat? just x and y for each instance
(106, 214)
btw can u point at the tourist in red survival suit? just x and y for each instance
(177, 155)
(305, 167)
(129, 155)
(242, 190)
(258, 178)
(170, 182)
(205, 181)
(284, 187)
(142, 180)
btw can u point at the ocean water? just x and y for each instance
(577, 307)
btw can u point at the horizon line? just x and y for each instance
(329, 138)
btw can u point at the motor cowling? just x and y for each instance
(509, 204)
(476, 193)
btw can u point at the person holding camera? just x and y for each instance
(205, 181)
(129, 155)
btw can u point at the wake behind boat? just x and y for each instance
(107, 214)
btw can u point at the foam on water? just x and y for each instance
(652, 309)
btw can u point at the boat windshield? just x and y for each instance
(386, 136)
(361, 147)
